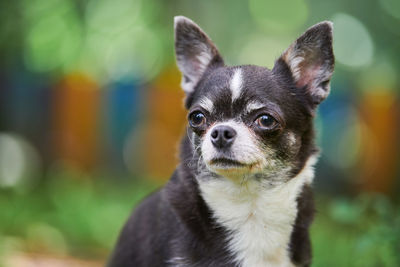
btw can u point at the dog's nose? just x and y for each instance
(223, 136)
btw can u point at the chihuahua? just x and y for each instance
(241, 195)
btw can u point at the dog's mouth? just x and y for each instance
(226, 163)
(229, 167)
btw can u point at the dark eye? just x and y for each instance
(266, 121)
(197, 119)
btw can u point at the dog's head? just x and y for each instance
(249, 119)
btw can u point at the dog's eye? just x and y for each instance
(197, 119)
(266, 122)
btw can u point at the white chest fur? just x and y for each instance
(260, 217)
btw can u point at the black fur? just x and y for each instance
(174, 226)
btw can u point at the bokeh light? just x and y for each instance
(271, 48)
(343, 148)
(353, 45)
(137, 54)
(276, 16)
(380, 76)
(392, 7)
(53, 35)
(112, 17)
(19, 162)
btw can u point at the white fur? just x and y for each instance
(181, 19)
(253, 105)
(205, 57)
(291, 138)
(236, 84)
(206, 104)
(294, 61)
(177, 262)
(187, 86)
(259, 216)
(194, 74)
(321, 74)
(311, 75)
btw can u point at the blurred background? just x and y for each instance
(91, 114)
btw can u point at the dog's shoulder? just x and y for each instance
(131, 242)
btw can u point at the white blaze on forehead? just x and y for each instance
(236, 84)
(207, 104)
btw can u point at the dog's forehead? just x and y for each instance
(243, 87)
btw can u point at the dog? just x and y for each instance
(241, 195)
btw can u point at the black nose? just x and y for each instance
(223, 136)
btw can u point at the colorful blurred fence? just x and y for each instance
(92, 85)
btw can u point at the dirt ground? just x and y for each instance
(41, 260)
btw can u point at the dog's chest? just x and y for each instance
(260, 219)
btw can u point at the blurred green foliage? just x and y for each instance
(362, 231)
(71, 214)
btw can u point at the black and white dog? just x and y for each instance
(241, 195)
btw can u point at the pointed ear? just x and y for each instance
(194, 52)
(310, 61)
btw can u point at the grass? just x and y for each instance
(79, 216)
(82, 216)
(363, 231)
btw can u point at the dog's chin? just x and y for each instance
(232, 168)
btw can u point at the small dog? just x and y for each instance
(241, 195)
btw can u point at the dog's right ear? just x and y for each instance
(194, 51)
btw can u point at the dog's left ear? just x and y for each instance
(194, 51)
(310, 61)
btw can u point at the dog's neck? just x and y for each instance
(259, 216)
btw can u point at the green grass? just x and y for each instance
(364, 231)
(82, 216)
(78, 216)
